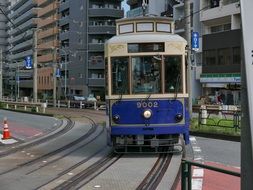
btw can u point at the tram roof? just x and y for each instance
(146, 38)
(145, 18)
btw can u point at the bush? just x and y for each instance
(33, 109)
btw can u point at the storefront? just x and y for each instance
(222, 88)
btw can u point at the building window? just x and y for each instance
(215, 3)
(224, 57)
(220, 28)
(210, 57)
(236, 56)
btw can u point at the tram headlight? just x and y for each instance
(178, 117)
(147, 114)
(116, 118)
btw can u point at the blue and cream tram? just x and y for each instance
(146, 86)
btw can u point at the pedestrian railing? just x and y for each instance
(186, 172)
(25, 106)
(220, 116)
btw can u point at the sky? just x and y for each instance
(125, 6)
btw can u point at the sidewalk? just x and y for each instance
(203, 179)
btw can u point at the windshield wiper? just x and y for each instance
(177, 86)
(120, 95)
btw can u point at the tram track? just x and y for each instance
(70, 124)
(53, 155)
(153, 178)
(85, 176)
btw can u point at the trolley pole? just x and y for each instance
(187, 14)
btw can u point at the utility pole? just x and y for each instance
(1, 74)
(187, 14)
(54, 78)
(35, 63)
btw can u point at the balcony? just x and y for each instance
(15, 6)
(26, 84)
(20, 37)
(46, 58)
(47, 21)
(43, 2)
(23, 8)
(104, 29)
(49, 8)
(48, 45)
(26, 16)
(96, 64)
(135, 12)
(22, 45)
(99, 47)
(132, 2)
(23, 27)
(46, 33)
(64, 20)
(228, 8)
(21, 55)
(64, 5)
(105, 12)
(96, 82)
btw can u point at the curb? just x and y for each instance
(216, 136)
(34, 113)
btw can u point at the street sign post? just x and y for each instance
(195, 41)
(28, 62)
(58, 73)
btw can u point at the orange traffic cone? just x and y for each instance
(6, 132)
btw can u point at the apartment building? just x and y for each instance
(47, 46)
(84, 27)
(3, 44)
(153, 8)
(21, 24)
(221, 39)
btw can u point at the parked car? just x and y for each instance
(79, 98)
(91, 98)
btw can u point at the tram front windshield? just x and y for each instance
(144, 72)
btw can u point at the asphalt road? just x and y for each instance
(224, 152)
(26, 126)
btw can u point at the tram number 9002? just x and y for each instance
(147, 104)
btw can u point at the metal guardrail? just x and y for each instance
(224, 114)
(186, 177)
(41, 105)
(26, 106)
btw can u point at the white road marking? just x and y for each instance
(198, 172)
(197, 184)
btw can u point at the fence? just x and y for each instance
(24, 103)
(224, 115)
(26, 106)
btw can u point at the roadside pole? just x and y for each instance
(54, 77)
(1, 74)
(187, 14)
(35, 72)
(247, 98)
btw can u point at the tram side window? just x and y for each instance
(173, 74)
(146, 76)
(120, 84)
